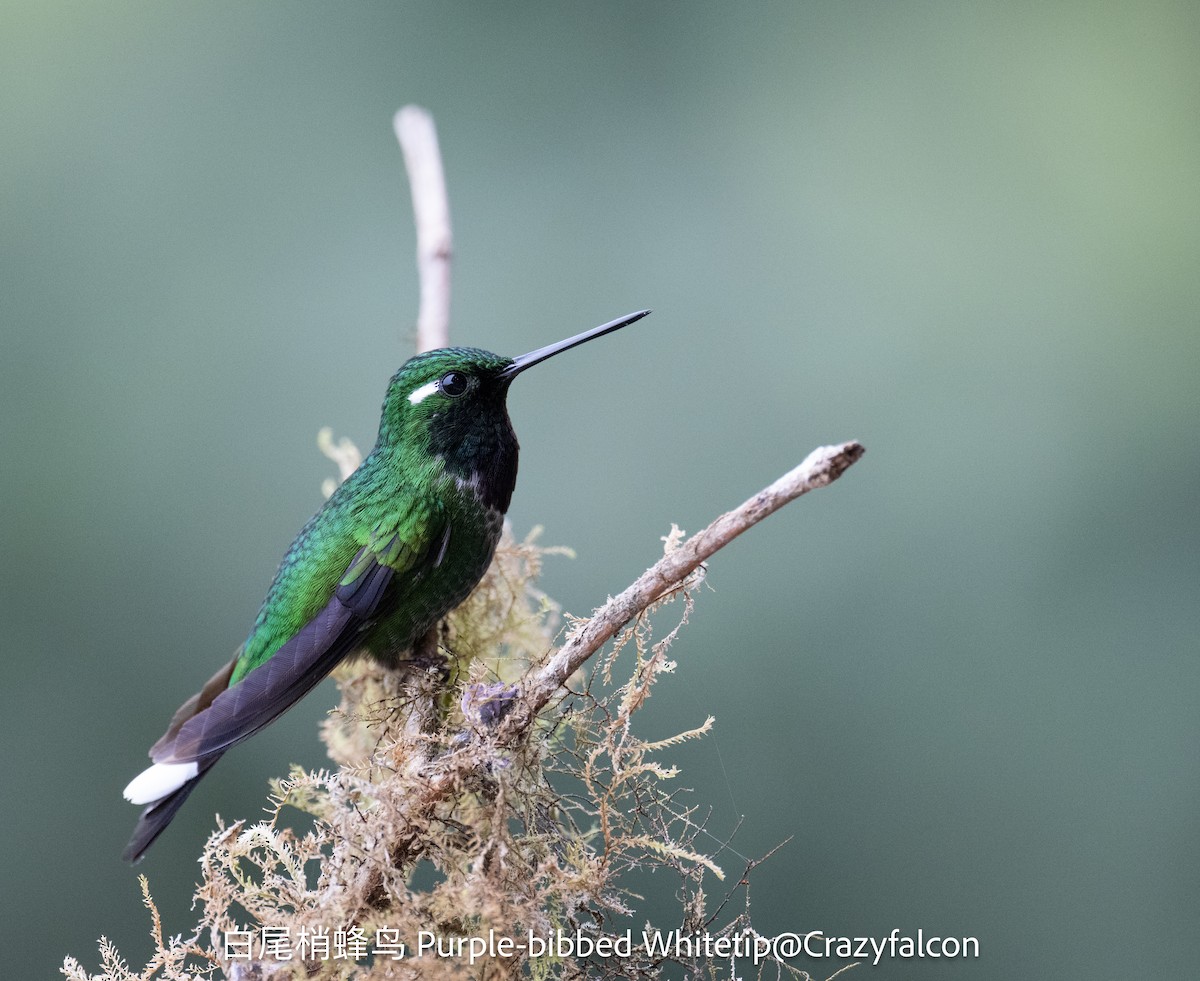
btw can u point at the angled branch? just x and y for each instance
(822, 467)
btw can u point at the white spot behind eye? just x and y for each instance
(418, 394)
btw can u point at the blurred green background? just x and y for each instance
(965, 679)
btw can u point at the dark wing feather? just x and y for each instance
(197, 703)
(300, 664)
(362, 586)
(272, 688)
(220, 716)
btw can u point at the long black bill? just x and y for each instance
(542, 353)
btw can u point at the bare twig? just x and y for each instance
(431, 212)
(822, 466)
(417, 134)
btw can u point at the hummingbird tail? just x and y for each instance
(158, 815)
(220, 716)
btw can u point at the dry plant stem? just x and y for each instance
(417, 135)
(821, 467)
(431, 213)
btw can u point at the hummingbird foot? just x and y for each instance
(427, 655)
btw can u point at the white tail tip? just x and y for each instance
(158, 781)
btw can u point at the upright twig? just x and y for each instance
(431, 212)
(417, 135)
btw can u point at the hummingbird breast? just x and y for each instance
(464, 554)
(471, 466)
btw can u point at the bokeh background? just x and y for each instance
(964, 680)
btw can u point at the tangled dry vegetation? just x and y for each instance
(430, 826)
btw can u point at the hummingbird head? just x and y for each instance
(449, 408)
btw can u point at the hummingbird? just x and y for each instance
(400, 543)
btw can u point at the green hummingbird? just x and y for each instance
(399, 544)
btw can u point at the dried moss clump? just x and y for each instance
(428, 830)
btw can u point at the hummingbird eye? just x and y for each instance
(453, 384)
